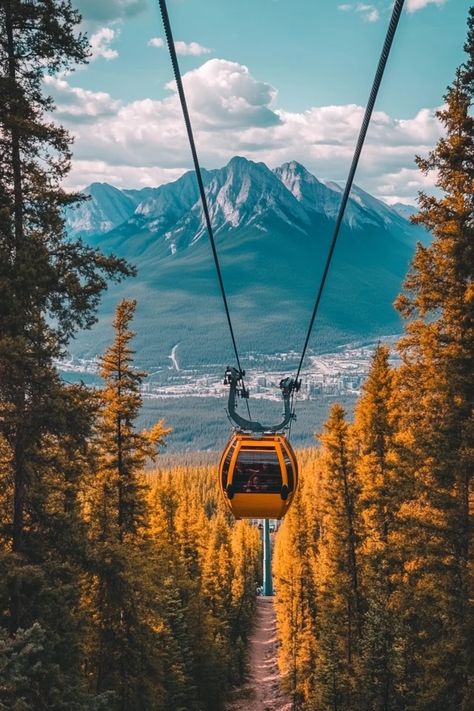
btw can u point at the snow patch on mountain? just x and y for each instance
(106, 208)
(241, 194)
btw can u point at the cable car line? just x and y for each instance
(258, 470)
(397, 9)
(197, 168)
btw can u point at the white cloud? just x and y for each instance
(100, 43)
(145, 143)
(405, 184)
(75, 105)
(121, 175)
(369, 13)
(156, 42)
(193, 48)
(223, 94)
(414, 5)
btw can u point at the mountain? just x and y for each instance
(403, 210)
(272, 230)
(106, 208)
(319, 197)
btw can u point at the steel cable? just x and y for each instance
(197, 168)
(397, 9)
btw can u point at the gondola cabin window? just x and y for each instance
(225, 467)
(257, 472)
(289, 472)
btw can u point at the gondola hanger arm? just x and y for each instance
(234, 378)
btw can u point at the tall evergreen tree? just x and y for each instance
(119, 519)
(467, 69)
(293, 565)
(123, 449)
(381, 490)
(339, 608)
(49, 287)
(436, 395)
(245, 554)
(373, 435)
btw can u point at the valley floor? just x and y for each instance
(262, 690)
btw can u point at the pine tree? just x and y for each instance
(467, 69)
(381, 490)
(436, 392)
(339, 608)
(49, 288)
(245, 563)
(124, 562)
(217, 574)
(293, 564)
(31, 678)
(124, 450)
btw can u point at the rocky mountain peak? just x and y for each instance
(243, 193)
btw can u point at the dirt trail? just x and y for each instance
(262, 690)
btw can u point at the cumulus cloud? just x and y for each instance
(414, 5)
(75, 105)
(369, 13)
(404, 185)
(86, 172)
(145, 143)
(156, 42)
(223, 94)
(193, 48)
(100, 43)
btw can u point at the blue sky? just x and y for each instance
(270, 79)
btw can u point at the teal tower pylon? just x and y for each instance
(267, 559)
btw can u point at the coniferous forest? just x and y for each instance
(126, 586)
(374, 561)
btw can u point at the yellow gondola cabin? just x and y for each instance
(258, 475)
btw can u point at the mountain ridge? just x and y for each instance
(151, 201)
(272, 230)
